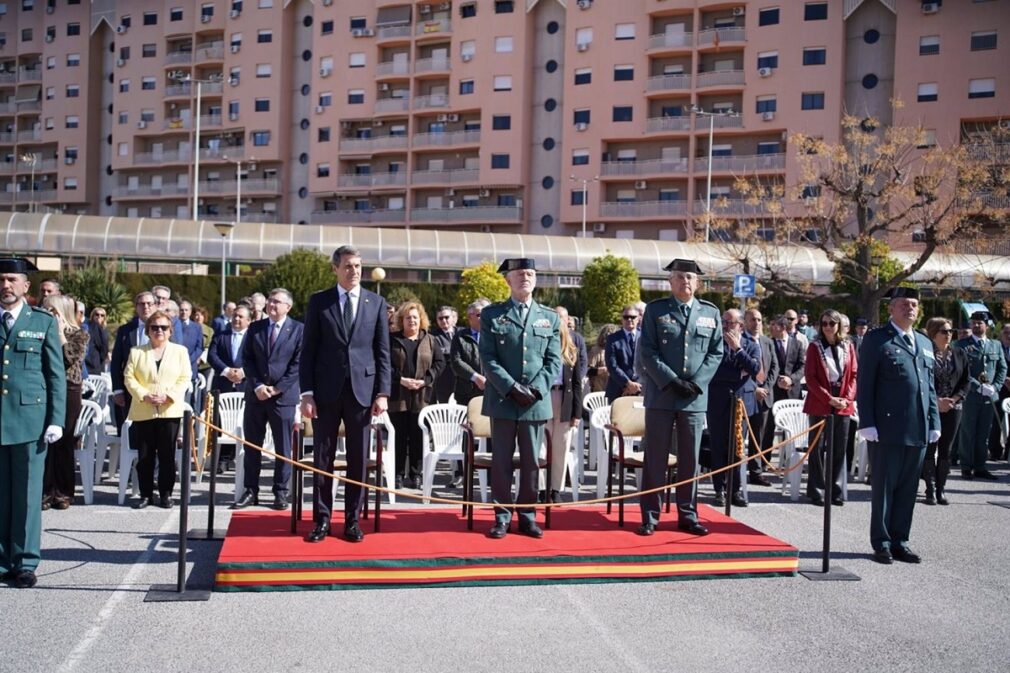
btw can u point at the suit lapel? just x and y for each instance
(675, 312)
(282, 336)
(334, 312)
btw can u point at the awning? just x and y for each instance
(28, 93)
(393, 16)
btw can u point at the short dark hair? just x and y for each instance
(343, 251)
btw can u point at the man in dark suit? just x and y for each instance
(898, 416)
(465, 365)
(223, 321)
(859, 330)
(345, 376)
(132, 333)
(32, 413)
(226, 351)
(98, 347)
(270, 357)
(753, 322)
(791, 357)
(620, 356)
(443, 332)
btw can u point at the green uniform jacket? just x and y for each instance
(33, 379)
(671, 349)
(513, 353)
(987, 359)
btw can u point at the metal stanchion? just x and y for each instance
(731, 454)
(296, 480)
(209, 533)
(378, 474)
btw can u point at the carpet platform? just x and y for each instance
(433, 548)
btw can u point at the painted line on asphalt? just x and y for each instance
(84, 646)
(605, 631)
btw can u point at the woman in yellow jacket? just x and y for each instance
(157, 376)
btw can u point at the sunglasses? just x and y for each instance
(444, 317)
(828, 323)
(160, 328)
(629, 317)
(944, 331)
(792, 319)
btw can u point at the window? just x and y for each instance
(233, 108)
(982, 88)
(207, 9)
(501, 122)
(124, 117)
(815, 11)
(260, 138)
(468, 11)
(27, 35)
(70, 184)
(265, 4)
(262, 105)
(499, 161)
(580, 157)
(624, 31)
(50, 33)
(768, 59)
(149, 51)
(50, 63)
(584, 36)
(124, 85)
(577, 195)
(766, 104)
(929, 45)
(175, 14)
(769, 147)
(263, 70)
(50, 124)
(581, 116)
(355, 60)
(983, 40)
(147, 115)
(125, 21)
(583, 75)
(811, 191)
(927, 139)
(73, 91)
(74, 29)
(626, 196)
(326, 99)
(815, 56)
(73, 60)
(264, 36)
(624, 73)
(465, 86)
(768, 16)
(27, 5)
(323, 135)
(326, 28)
(50, 92)
(124, 53)
(927, 92)
(503, 6)
(503, 82)
(668, 195)
(722, 150)
(467, 49)
(355, 96)
(503, 45)
(812, 101)
(623, 113)
(322, 170)
(73, 121)
(236, 41)
(147, 84)
(150, 18)
(358, 22)
(627, 156)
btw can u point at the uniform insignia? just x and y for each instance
(665, 319)
(543, 322)
(706, 321)
(502, 320)
(27, 334)
(928, 354)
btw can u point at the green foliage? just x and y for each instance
(400, 294)
(301, 272)
(608, 284)
(97, 286)
(479, 281)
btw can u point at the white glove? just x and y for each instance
(53, 434)
(869, 434)
(934, 436)
(987, 390)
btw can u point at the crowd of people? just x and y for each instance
(924, 401)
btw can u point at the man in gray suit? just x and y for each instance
(753, 322)
(681, 349)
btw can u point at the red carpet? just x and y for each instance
(432, 547)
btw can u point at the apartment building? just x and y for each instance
(537, 116)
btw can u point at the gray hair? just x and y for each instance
(344, 251)
(162, 287)
(283, 291)
(479, 304)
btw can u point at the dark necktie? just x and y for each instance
(476, 335)
(8, 321)
(273, 338)
(684, 309)
(909, 342)
(522, 313)
(348, 313)
(780, 351)
(631, 343)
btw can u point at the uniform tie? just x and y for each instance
(909, 342)
(684, 310)
(8, 321)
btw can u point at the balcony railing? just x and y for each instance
(443, 139)
(248, 186)
(390, 32)
(674, 40)
(719, 36)
(142, 191)
(211, 88)
(214, 52)
(29, 75)
(668, 83)
(435, 26)
(9, 107)
(718, 121)
(445, 177)
(39, 195)
(29, 136)
(743, 164)
(371, 179)
(179, 123)
(720, 78)
(173, 90)
(393, 68)
(164, 157)
(643, 209)
(728, 206)
(432, 101)
(996, 152)
(511, 214)
(234, 152)
(392, 104)
(175, 57)
(269, 218)
(430, 64)
(29, 106)
(648, 167)
(6, 138)
(358, 216)
(659, 124)
(8, 77)
(210, 120)
(366, 145)
(41, 166)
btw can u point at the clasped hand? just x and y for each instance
(523, 395)
(684, 389)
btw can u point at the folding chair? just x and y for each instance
(627, 422)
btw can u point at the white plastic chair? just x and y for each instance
(1005, 408)
(128, 457)
(591, 403)
(860, 455)
(790, 420)
(88, 423)
(231, 409)
(598, 422)
(441, 438)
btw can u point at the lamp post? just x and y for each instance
(585, 196)
(711, 134)
(224, 228)
(31, 158)
(378, 275)
(196, 135)
(238, 183)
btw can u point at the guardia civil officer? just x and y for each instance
(986, 370)
(520, 348)
(898, 413)
(681, 348)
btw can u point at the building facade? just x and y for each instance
(527, 116)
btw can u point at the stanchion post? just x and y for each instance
(296, 480)
(210, 534)
(730, 456)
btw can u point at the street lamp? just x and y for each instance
(224, 228)
(238, 183)
(711, 133)
(196, 135)
(585, 196)
(378, 275)
(31, 158)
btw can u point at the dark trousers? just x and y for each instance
(58, 481)
(357, 420)
(155, 441)
(21, 468)
(757, 423)
(664, 427)
(506, 435)
(409, 450)
(815, 481)
(721, 437)
(936, 465)
(281, 420)
(977, 418)
(894, 482)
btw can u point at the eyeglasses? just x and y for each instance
(99, 315)
(160, 328)
(944, 331)
(629, 317)
(445, 317)
(828, 323)
(791, 319)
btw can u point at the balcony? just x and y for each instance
(8, 78)
(719, 122)
(743, 164)
(177, 90)
(385, 105)
(997, 152)
(671, 40)
(29, 136)
(720, 36)
(29, 75)
(213, 52)
(223, 153)
(10, 107)
(446, 139)
(176, 57)
(726, 206)
(643, 209)
(164, 157)
(249, 186)
(369, 145)
(41, 195)
(669, 83)
(268, 218)
(435, 100)
(445, 177)
(6, 138)
(649, 167)
(6, 167)
(393, 32)
(41, 166)
(212, 88)
(431, 65)
(434, 26)
(511, 214)
(661, 124)
(29, 106)
(359, 216)
(388, 68)
(148, 191)
(176, 124)
(720, 78)
(210, 121)
(352, 180)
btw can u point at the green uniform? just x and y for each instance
(986, 364)
(33, 397)
(525, 349)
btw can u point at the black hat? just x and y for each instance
(984, 316)
(16, 265)
(862, 322)
(903, 293)
(685, 265)
(804, 311)
(517, 263)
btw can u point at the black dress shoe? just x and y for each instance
(906, 555)
(531, 530)
(692, 527)
(837, 501)
(739, 500)
(352, 532)
(985, 474)
(720, 499)
(817, 500)
(457, 481)
(8, 576)
(24, 579)
(280, 502)
(320, 532)
(399, 483)
(143, 502)
(249, 497)
(165, 502)
(646, 529)
(555, 496)
(498, 531)
(411, 482)
(758, 480)
(930, 499)
(883, 556)
(966, 474)
(941, 499)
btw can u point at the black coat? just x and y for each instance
(464, 362)
(98, 349)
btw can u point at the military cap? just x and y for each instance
(16, 265)
(862, 322)
(903, 293)
(517, 263)
(983, 316)
(685, 265)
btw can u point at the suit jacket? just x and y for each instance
(770, 366)
(959, 379)
(446, 380)
(126, 339)
(791, 366)
(428, 366)
(894, 389)
(143, 376)
(734, 376)
(572, 392)
(677, 348)
(984, 361)
(818, 387)
(515, 352)
(464, 361)
(277, 368)
(98, 348)
(330, 357)
(620, 361)
(192, 339)
(221, 357)
(33, 377)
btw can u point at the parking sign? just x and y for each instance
(744, 286)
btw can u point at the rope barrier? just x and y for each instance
(819, 427)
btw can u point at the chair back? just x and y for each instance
(782, 405)
(443, 424)
(91, 415)
(231, 406)
(201, 383)
(594, 401)
(600, 418)
(479, 423)
(793, 421)
(99, 385)
(627, 414)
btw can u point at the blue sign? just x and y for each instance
(744, 286)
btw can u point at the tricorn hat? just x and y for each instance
(16, 265)
(983, 316)
(685, 265)
(516, 263)
(903, 293)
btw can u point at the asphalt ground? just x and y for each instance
(950, 614)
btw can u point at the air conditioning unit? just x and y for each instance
(450, 192)
(582, 46)
(484, 193)
(69, 161)
(177, 74)
(442, 118)
(452, 118)
(233, 116)
(357, 32)
(765, 72)
(424, 9)
(384, 86)
(121, 29)
(367, 32)
(467, 57)
(49, 37)
(768, 116)
(325, 72)
(120, 62)
(206, 18)
(320, 109)
(930, 7)
(234, 13)
(142, 124)
(641, 184)
(581, 126)
(739, 11)
(236, 47)
(599, 227)
(585, 4)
